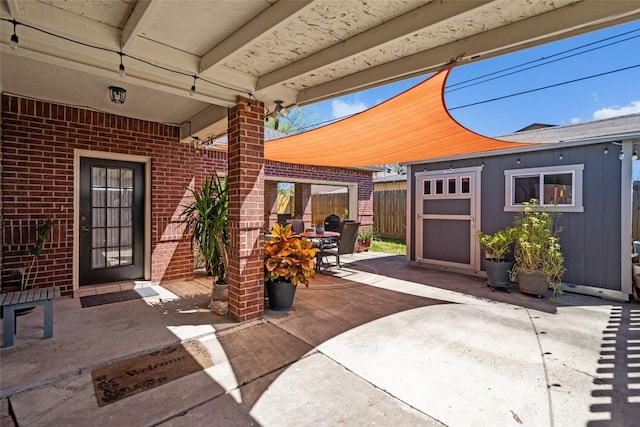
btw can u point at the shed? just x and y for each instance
(589, 166)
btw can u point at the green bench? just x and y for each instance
(12, 301)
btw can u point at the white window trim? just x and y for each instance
(575, 170)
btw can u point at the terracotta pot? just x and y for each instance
(534, 282)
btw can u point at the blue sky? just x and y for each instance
(590, 99)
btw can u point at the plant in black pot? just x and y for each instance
(206, 217)
(539, 261)
(496, 247)
(288, 261)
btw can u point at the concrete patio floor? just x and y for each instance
(377, 342)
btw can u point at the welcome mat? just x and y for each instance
(132, 376)
(93, 300)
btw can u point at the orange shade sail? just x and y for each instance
(413, 126)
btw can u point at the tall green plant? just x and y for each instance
(206, 219)
(537, 245)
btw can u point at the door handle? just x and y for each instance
(84, 229)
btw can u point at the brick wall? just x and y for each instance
(38, 142)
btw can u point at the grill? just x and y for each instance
(332, 223)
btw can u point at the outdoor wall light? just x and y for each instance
(117, 94)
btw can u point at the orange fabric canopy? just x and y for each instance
(413, 126)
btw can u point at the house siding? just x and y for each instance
(38, 143)
(591, 239)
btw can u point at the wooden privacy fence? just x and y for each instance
(390, 214)
(389, 210)
(323, 205)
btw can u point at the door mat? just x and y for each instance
(93, 300)
(135, 375)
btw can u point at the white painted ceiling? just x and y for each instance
(296, 51)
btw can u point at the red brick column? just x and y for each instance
(246, 211)
(270, 203)
(302, 203)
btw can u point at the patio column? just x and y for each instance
(246, 210)
(271, 203)
(302, 203)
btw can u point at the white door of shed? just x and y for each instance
(447, 217)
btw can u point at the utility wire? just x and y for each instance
(532, 67)
(543, 87)
(550, 56)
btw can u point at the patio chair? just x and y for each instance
(297, 225)
(346, 245)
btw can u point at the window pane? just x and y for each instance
(558, 189)
(126, 255)
(113, 198)
(525, 188)
(439, 186)
(126, 217)
(465, 187)
(127, 178)
(98, 240)
(112, 237)
(98, 197)
(127, 198)
(97, 217)
(126, 236)
(113, 219)
(113, 257)
(97, 258)
(113, 178)
(427, 187)
(98, 177)
(452, 186)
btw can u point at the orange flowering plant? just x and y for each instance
(288, 257)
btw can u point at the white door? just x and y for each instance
(447, 217)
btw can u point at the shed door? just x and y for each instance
(447, 208)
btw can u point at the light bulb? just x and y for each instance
(14, 41)
(621, 155)
(192, 91)
(122, 72)
(635, 155)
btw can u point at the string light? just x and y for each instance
(606, 150)
(14, 37)
(192, 91)
(634, 156)
(121, 69)
(561, 156)
(122, 72)
(621, 155)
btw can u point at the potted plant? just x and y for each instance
(496, 247)
(538, 257)
(206, 219)
(288, 261)
(365, 235)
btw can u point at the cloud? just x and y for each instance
(606, 113)
(575, 120)
(340, 108)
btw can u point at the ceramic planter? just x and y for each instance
(498, 273)
(280, 295)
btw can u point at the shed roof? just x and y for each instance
(414, 125)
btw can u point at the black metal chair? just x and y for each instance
(346, 245)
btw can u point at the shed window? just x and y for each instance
(557, 187)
